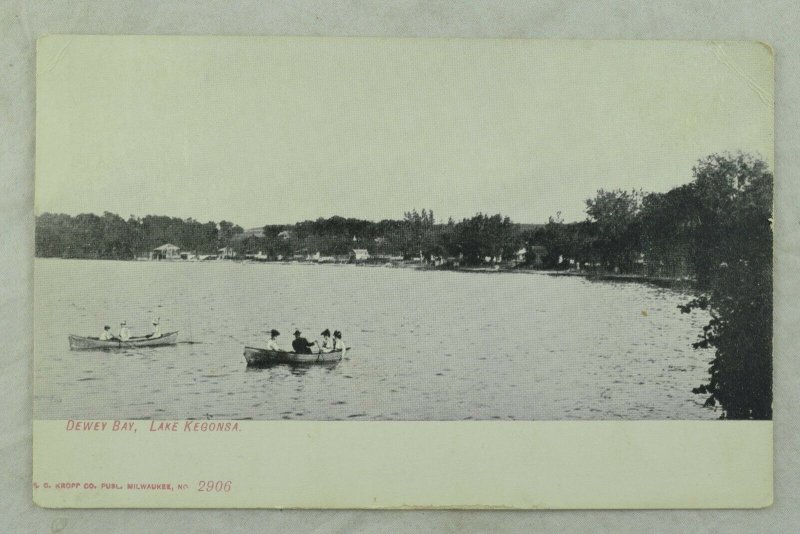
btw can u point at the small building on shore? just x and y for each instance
(360, 254)
(167, 251)
(226, 253)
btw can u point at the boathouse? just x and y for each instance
(166, 252)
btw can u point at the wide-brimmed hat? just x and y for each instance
(326, 332)
(106, 327)
(123, 323)
(297, 332)
(274, 333)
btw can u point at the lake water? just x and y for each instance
(427, 345)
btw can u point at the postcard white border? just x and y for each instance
(478, 464)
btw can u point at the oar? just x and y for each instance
(237, 340)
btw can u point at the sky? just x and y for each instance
(276, 130)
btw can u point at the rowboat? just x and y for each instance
(257, 356)
(89, 343)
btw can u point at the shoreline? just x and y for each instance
(661, 281)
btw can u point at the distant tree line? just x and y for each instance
(685, 232)
(417, 234)
(689, 231)
(109, 236)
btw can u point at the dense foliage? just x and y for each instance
(732, 241)
(111, 237)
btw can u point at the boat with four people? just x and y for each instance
(256, 356)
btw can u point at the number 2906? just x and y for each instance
(215, 485)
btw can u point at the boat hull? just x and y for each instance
(92, 343)
(256, 356)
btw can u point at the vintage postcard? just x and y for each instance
(399, 273)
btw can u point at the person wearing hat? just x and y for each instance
(156, 329)
(301, 345)
(107, 335)
(124, 333)
(338, 344)
(327, 342)
(272, 344)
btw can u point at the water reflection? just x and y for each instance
(295, 369)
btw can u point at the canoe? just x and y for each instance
(256, 356)
(89, 343)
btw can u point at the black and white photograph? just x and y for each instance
(333, 229)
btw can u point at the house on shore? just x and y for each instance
(359, 254)
(167, 251)
(226, 253)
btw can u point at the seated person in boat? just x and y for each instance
(272, 344)
(300, 344)
(156, 330)
(338, 344)
(327, 342)
(107, 335)
(124, 333)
